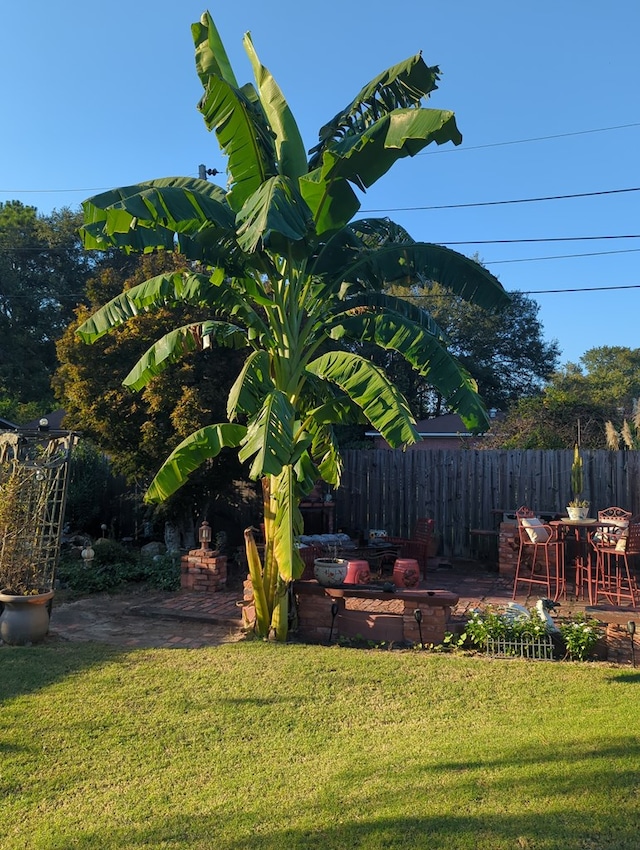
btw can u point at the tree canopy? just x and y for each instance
(43, 270)
(577, 403)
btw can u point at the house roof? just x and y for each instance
(449, 425)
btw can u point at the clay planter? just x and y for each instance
(24, 619)
(358, 572)
(406, 572)
(330, 572)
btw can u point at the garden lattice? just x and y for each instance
(33, 487)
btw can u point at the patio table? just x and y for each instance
(575, 532)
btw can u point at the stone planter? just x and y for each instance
(330, 572)
(24, 619)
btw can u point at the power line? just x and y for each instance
(500, 203)
(460, 148)
(560, 256)
(537, 291)
(541, 239)
(457, 149)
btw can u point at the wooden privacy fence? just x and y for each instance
(463, 489)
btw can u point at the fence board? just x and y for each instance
(459, 489)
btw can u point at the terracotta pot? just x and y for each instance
(406, 572)
(330, 572)
(24, 619)
(358, 572)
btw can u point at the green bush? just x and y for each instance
(578, 634)
(114, 566)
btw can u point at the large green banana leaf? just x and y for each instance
(251, 387)
(423, 261)
(287, 526)
(275, 209)
(192, 452)
(427, 356)
(236, 115)
(269, 439)
(175, 344)
(149, 215)
(168, 289)
(402, 85)
(384, 406)
(292, 159)
(362, 159)
(211, 57)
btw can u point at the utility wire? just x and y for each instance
(460, 148)
(499, 203)
(560, 256)
(423, 153)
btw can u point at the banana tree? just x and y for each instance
(280, 268)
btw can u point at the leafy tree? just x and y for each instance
(43, 270)
(288, 279)
(136, 430)
(578, 402)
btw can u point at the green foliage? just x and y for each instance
(504, 352)
(42, 268)
(580, 636)
(114, 566)
(600, 389)
(493, 624)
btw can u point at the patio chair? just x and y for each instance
(614, 546)
(543, 546)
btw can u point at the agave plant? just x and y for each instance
(282, 270)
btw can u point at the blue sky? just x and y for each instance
(102, 95)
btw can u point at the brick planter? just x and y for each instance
(371, 614)
(204, 570)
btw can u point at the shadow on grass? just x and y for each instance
(26, 669)
(566, 830)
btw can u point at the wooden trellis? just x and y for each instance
(33, 487)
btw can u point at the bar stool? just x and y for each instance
(614, 578)
(545, 546)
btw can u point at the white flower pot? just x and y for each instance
(330, 572)
(578, 513)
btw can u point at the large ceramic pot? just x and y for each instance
(330, 572)
(24, 619)
(406, 572)
(358, 572)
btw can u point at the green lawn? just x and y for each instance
(253, 745)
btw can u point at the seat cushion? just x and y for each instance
(535, 528)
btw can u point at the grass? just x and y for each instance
(258, 746)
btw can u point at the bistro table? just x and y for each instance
(575, 533)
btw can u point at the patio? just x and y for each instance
(194, 619)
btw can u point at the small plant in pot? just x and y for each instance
(577, 508)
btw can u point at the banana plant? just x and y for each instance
(280, 268)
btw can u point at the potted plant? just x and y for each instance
(577, 508)
(25, 587)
